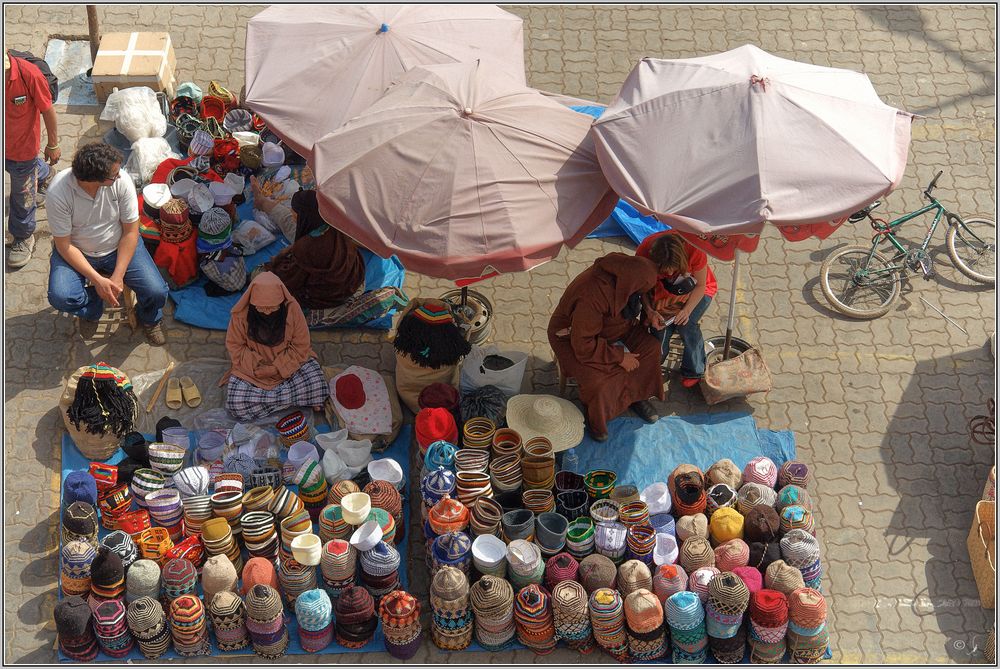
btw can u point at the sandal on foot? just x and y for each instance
(174, 398)
(689, 382)
(192, 396)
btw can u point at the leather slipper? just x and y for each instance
(192, 396)
(174, 397)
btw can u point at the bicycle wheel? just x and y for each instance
(852, 289)
(973, 249)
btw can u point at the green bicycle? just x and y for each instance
(862, 282)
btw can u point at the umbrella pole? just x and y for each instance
(732, 307)
(465, 295)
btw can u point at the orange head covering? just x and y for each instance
(259, 570)
(267, 366)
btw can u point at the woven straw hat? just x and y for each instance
(554, 418)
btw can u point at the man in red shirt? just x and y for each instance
(684, 289)
(27, 96)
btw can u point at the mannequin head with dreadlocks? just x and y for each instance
(428, 334)
(104, 401)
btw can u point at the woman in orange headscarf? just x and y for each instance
(273, 364)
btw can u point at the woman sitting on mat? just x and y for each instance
(599, 340)
(684, 288)
(274, 365)
(323, 267)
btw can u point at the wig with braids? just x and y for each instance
(104, 401)
(428, 334)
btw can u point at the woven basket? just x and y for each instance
(96, 447)
(982, 544)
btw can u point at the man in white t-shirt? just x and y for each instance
(93, 214)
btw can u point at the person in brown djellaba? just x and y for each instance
(598, 338)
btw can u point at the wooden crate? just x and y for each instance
(125, 60)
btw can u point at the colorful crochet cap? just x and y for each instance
(695, 525)
(258, 570)
(761, 524)
(80, 518)
(725, 471)
(435, 424)
(80, 487)
(107, 570)
(726, 524)
(643, 611)
(794, 472)
(761, 470)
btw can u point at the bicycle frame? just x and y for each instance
(901, 251)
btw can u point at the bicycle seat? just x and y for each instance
(863, 213)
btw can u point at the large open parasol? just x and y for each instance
(310, 68)
(719, 146)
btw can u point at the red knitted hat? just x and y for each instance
(436, 424)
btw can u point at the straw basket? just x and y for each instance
(983, 552)
(97, 447)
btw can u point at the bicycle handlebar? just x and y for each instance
(932, 184)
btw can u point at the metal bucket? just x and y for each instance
(477, 312)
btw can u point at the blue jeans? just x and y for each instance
(68, 290)
(693, 360)
(24, 178)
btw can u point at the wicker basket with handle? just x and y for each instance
(983, 552)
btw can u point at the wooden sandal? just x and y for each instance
(192, 396)
(174, 397)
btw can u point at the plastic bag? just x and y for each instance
(147, 154)
(136, 113)
(254, 441)
(252, 236)
(476, 375)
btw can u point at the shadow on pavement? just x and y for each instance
(939, 473)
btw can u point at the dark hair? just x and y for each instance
(93, 162)
(669, 253)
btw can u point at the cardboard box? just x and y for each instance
(125, 60)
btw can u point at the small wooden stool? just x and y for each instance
(125, 313)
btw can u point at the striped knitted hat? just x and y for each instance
(696, 552)
(634, 575)
(79, 521)
(122, 544)
(668, 580)
(179, 577)
(694, 525)
(792, 495)
(732, 554)
(794, 472)
(761, 470)
(752, 495)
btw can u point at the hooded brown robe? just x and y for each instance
(592, 308)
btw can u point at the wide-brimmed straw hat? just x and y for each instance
(554, 418)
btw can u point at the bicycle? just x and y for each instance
(862, 282)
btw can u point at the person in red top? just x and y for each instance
(685, 287)
(27, 96)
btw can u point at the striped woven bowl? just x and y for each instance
(166, 458)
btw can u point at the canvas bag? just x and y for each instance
(475, 375)
(411, 378)
(743, 375)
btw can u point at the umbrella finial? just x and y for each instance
(384, 28)
(754, 79)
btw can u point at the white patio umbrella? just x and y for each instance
(719, 146)
(310, 68)
(462, 171)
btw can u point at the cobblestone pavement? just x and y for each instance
(879, 408)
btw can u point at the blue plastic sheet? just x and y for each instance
(643, 454)
(196, 308)
(73, 460)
